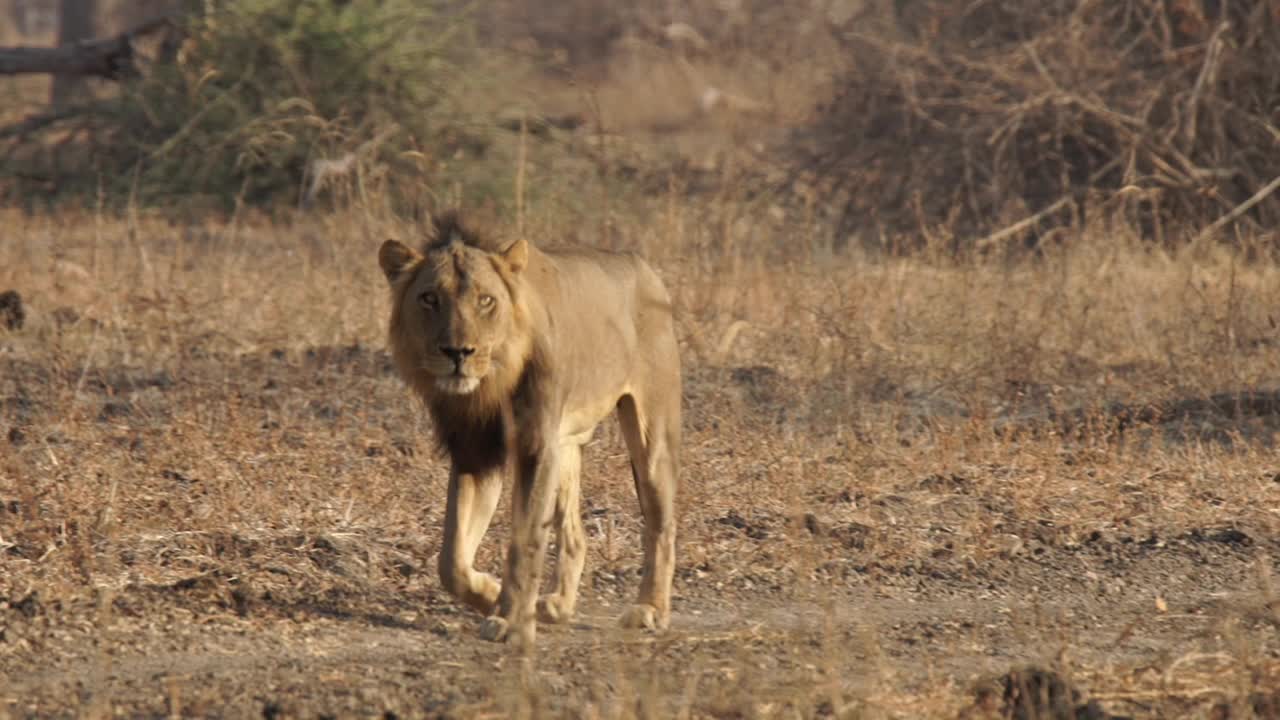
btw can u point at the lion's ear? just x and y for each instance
(395, 257)
(517, 256)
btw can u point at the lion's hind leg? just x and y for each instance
(653, 441)
(572, 556)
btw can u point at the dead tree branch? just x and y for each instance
(110, 58)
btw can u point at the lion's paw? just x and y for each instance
(494, 629)
(551, 609)
(641, 617)
(490, 589)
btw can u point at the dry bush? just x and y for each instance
(956, 120)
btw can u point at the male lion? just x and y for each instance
(519, 353)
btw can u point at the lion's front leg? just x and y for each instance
(559, 607)
(532, 506)
(471, 501)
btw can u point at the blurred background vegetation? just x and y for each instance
(887, 124)
(243, 101)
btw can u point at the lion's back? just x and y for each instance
(592, 276)
(609, 305)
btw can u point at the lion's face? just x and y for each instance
(455, 314)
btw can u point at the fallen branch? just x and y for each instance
(1053, 207)
(1239, 210)
(110, 58)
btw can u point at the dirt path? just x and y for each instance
(876, 644)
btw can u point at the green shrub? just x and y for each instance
(260, 89)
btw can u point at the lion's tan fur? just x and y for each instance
(518, 353)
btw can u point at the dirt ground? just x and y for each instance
(736, 648)
(219, 501)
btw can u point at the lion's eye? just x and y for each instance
(429, 300)
(486, 301)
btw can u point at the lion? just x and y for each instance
(518, 354)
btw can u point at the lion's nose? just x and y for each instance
(457, 354)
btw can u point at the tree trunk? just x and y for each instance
(75, 24)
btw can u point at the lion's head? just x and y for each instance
(458, 324)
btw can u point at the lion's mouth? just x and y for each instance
(457, 384)
(457, 376)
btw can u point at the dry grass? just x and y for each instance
(204, 435)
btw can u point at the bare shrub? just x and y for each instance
(966, 118)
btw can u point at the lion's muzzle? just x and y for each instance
(457, 355)
(462, 377)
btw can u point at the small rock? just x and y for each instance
(65, 317)
(1036, 694)
(814, 525)
(113, 410)
(444, 629)
(12, 314)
